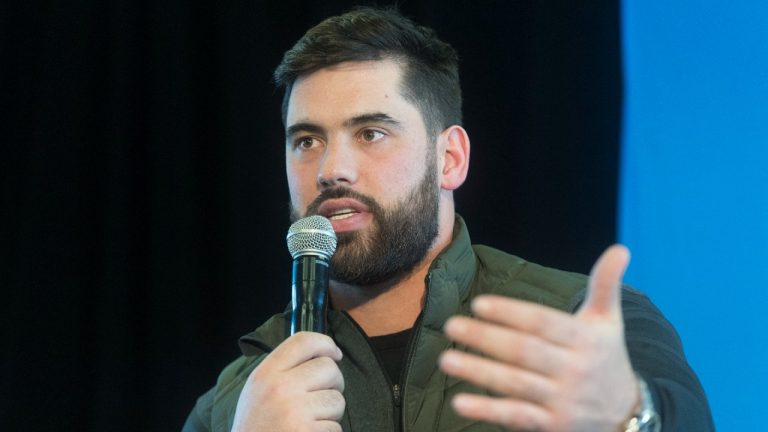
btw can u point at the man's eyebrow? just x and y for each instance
(376, 117)
(303, 127)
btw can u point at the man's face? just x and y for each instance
(358, 153)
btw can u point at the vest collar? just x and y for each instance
(450, 278)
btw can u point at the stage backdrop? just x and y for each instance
(143, 181)
(693, 204)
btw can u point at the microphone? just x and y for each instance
(311, 242)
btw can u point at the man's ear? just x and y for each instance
(455, 158)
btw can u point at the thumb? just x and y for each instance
(604, 289)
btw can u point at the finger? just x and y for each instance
(326, 404)
(508, 345)
(545, 322)
(510, 413)
(604, 289)
(497, 377)
(301, 347)
(319, 373)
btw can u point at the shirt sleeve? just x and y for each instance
(656, 353)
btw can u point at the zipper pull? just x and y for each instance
(396, 394)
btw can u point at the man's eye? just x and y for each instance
(370, 135)
(305, 143)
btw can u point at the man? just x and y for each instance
(427, 332)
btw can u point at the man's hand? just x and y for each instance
(297, 387)
(548, 370)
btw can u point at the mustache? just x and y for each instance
(343, 192)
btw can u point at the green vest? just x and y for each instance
(460, 273)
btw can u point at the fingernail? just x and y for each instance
(449, 360)
(456, 327)
(460, 403)
(481, 305)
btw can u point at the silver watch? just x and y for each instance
(645, 419)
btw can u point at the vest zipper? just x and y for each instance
(396, 394)
(410, 349)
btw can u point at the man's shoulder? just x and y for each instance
(214, 410)
(502, 273)
(254, 346)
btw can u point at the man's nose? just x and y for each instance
(338, 166)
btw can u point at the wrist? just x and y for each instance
(644, 417)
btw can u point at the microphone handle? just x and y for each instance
(309, 292)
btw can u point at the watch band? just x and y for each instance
(645, 419)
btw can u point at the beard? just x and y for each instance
(399, 238)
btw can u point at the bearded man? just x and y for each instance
(427, 332)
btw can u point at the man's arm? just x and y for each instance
(657, 355)
(553, 371)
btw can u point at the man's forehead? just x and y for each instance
(367, 74)
(347, 90)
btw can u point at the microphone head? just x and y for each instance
(311, 235)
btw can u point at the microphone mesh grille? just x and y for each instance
(311, 235)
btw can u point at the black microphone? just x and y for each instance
(311, 242)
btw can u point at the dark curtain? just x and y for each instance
(144, 205)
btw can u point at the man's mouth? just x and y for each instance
(342, 214)
(341, 208)
(345, 214)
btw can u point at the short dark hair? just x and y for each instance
(430, 78)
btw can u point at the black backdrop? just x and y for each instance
(144, 202)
